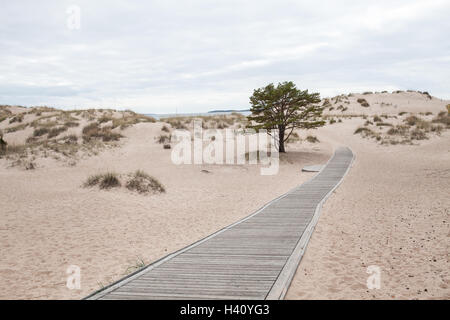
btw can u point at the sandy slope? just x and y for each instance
(48, 221)
(393, 211)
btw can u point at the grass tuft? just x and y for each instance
(143, 183)
(104, 181)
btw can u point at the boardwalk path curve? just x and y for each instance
(254, 258)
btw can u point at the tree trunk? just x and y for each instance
(281, 130)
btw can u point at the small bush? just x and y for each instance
(312, 139)
(363, 102)
(105, 119)
(418, 134)
(71, 139)
(17, 118)
(164, 139)
(411, 120)
(144, 183)
(443, 118)
(377, 119)
(363, 130)
(167, 146)
(40, 132)
(56, 131)
(71, 124)
(109, 180)
(165, 128)
(29, 165)
(104, 181)
(93, 131)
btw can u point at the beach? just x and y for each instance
(391, 211)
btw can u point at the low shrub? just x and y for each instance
(104, 181)
(143, 183)
(312, 139)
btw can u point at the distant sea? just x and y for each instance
(159, 116)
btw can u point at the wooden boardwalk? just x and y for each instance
(254, 258)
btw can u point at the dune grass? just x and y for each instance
(106, 180)
(143, 183)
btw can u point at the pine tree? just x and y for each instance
(284, 108)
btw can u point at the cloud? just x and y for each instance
(162, 56)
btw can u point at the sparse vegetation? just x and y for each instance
(94, 131)
(17, 118)
(143, 183)
(104, 181)
(56, 131)
(164, 138)
(40, 132)
(312, 139)
(140, 263)
(443, 118)
(284, 108)
(18, 127)
(129, 119)
(411, 120)
(363, 102)
(363, 130)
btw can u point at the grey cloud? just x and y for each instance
(193, 56)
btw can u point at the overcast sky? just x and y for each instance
(193, 56)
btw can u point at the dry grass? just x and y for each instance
(17, 118)
(363, 102)
(443, 118)
(18, 127)
(164, 138)
(50, 123)
(40, 132)
(143, 183)
(411, 120)
(94, 131)
(104, 181)
(56, 131)
(130, 119)
(363, 130)
(413, 129)
(312, 139)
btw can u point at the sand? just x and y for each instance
(49, 222)
(392, 210)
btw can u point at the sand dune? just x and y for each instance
(391, 210)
